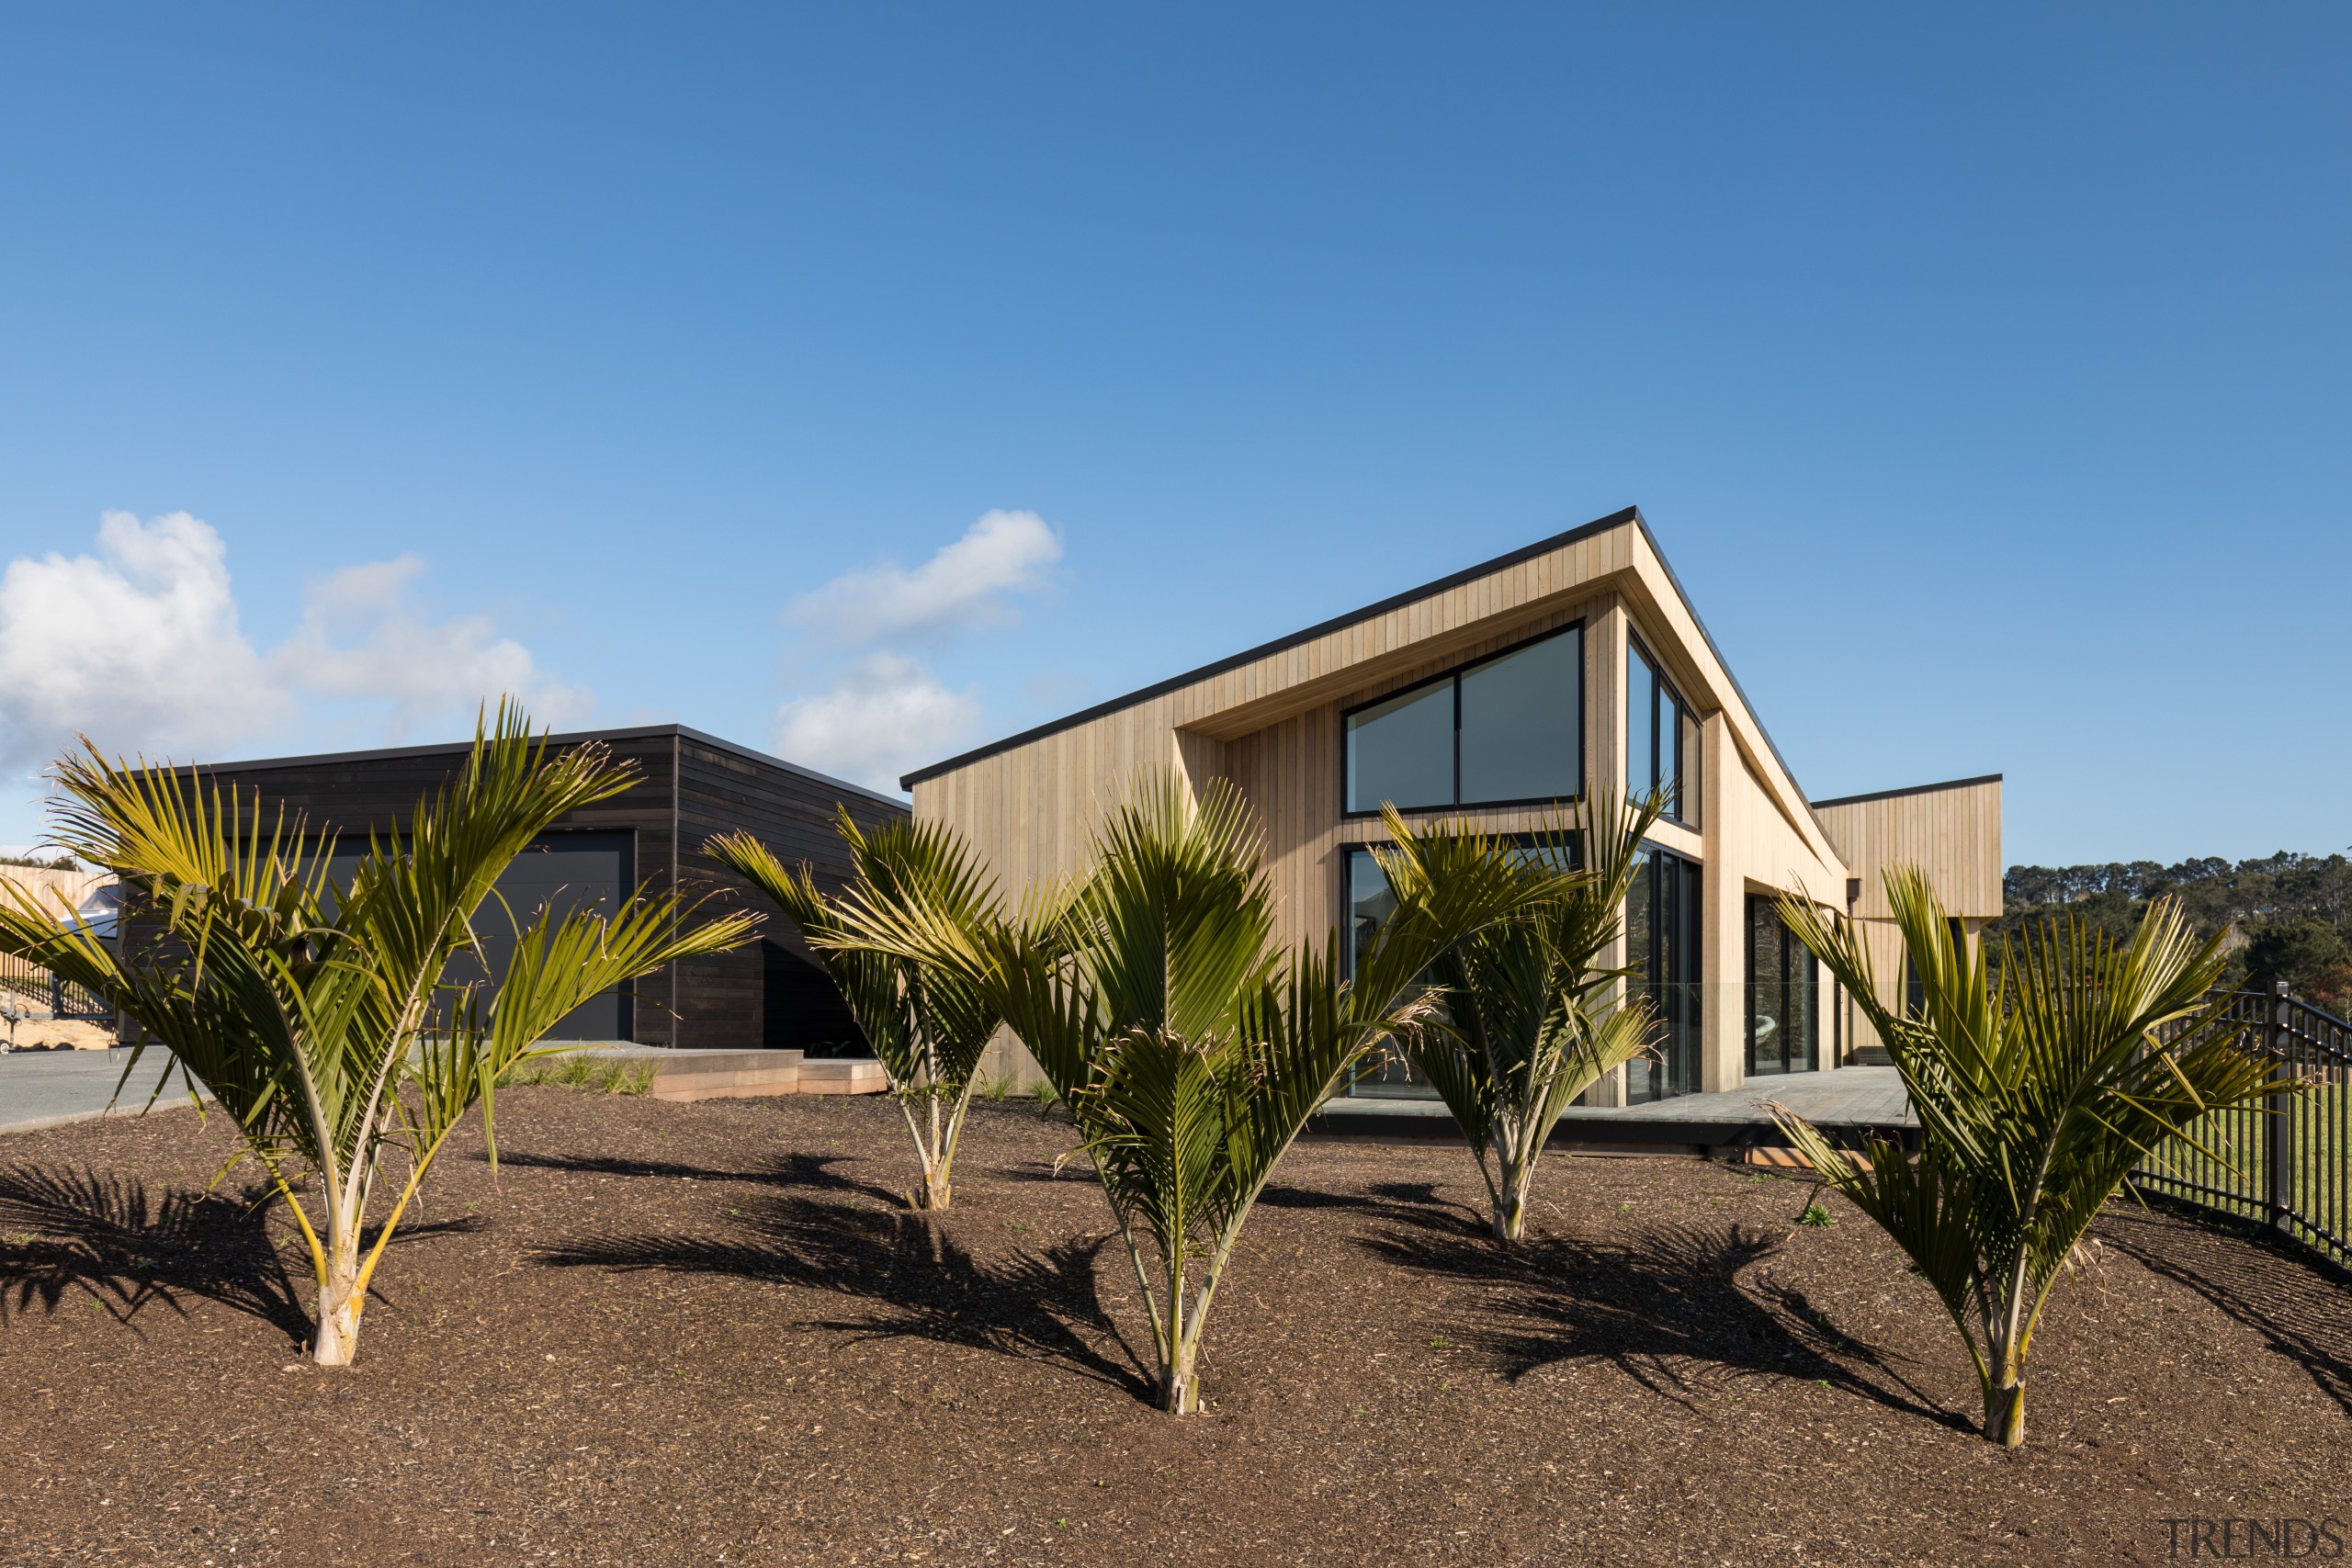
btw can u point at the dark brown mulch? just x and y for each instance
(703, 1333)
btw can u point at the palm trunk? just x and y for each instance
(1510, 1219)
(935, 1193)
(1511, 1203)
(2002, 1372)
(2005, 1413)
(1179, 1388)
(337, 1338)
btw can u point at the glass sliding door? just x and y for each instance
(1783, 996)
(1369, 903)
(1662, 915)
(1385, 1074)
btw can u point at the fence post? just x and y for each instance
(2278, 1175)
(56, 995)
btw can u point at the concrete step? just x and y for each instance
(842, 1074)
(691, 1074)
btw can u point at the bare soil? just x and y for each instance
(710, 1333)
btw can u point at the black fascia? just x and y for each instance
(574, 738)
(1265, 651)
(1913, 789)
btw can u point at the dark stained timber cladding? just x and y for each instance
(768, 993)
(771, 993)
(354, 796)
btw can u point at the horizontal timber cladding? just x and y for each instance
(770, 993)
(690, 787)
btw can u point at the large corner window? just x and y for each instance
(1661, 737)
(1508, 730)
(1783, 994)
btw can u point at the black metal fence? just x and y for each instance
(2286, 1163)
(28, 989)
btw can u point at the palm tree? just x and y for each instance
(2039, 1085)
(323, 1019)
(926, 1024)
(1532, 1014)
(1189, 1049)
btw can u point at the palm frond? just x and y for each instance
(318, 1017)
(2040, 1084)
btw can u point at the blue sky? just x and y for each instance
(1982, 376)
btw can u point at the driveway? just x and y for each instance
(47, 1089)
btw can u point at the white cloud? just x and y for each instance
(140, 647)
(883, 713)
(137, 645)
(883, 716)
(963, 584)
(362, 639)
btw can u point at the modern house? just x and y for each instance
(691, 788)
(1496, 693)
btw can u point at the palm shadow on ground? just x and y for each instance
(1683, 1310)
(916, 1280)
(2297, 1300)
(127, 1246)
(790, 1171)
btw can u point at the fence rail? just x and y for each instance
(28, 988)
(2286, 1163)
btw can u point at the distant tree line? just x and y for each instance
(41, 862)
(2289, 915)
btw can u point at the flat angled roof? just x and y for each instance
(573, 737)
(1909, 789)
(1617, 519)
(1321, 628)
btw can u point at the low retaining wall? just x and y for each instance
(688, 1074)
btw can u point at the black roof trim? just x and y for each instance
(1914, 789)
(639, 732)
(1724, 665)
(1321, 628)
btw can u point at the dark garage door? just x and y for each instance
(565, 870)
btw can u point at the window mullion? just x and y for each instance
(1457, 741)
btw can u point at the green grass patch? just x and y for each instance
(587, 1071)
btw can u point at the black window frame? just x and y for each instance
(1584, 753)
(1662, 691)
(1525, 839)
(1793, 953)
(1915, 988)
(1680, 1068)
(1346, 926)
